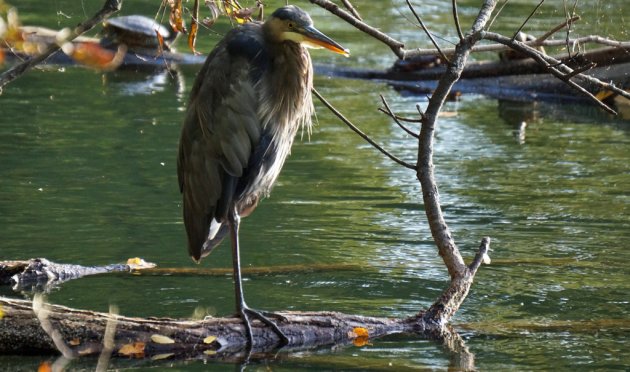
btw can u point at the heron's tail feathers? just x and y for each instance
(213, 241)
(203, 234)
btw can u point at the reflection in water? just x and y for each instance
(518, 114)
(87, 176)
(131, 83)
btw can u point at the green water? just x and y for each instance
(87, 176)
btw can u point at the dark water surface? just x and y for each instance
(87, 176)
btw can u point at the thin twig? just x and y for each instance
(457, 23)
(351, 9)
(578, 70)
(393, 116)
(559, 27)
(496, 15)
(528, 18)
(110, 7)
(360, 133)
(426, 31)
(482, 253)
(401, 118)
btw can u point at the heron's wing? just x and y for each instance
(220, 130)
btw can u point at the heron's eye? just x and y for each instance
(290, 25)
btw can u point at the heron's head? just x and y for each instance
(292, 24)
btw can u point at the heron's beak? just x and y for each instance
(315, 39)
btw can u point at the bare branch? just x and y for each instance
(360, 133)
(393, 116)
(401, 118)
(351, 9)
(110, 7)
(457, 23)
(481, 255)
(396, 46)
(425, 174)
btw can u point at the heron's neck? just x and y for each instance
(290, 79)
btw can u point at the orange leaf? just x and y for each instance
(136, 349)
(175, 19)
(44, 367)
(360, 336)
(192, 36)
(361, 332)
(360, 341)
(94, 55)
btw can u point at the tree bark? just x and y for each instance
(82, 331)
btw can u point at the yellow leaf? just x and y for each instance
(209, 339)
(74, 342)
(603, 94)
(360, 336)
(159, 339)
(360, 341)
(1, 313)
(210, 352)
(135, 349)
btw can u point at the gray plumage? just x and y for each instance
(248, 101)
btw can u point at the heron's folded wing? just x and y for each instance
(220, 131)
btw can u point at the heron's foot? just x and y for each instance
(245, 313)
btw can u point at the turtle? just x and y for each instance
(136, 32)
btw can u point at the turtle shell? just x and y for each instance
(135, 31)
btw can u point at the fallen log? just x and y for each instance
(82, 332)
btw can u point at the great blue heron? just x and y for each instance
(247, 103)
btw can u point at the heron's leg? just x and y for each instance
(241, 306)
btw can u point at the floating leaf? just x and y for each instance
(1, 312)
(74, 342)
(160, 339)
(210, 352)
(137, 263)
(94, 55)
(209, 339)
(135, 349)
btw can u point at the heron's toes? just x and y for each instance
(263, 317)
